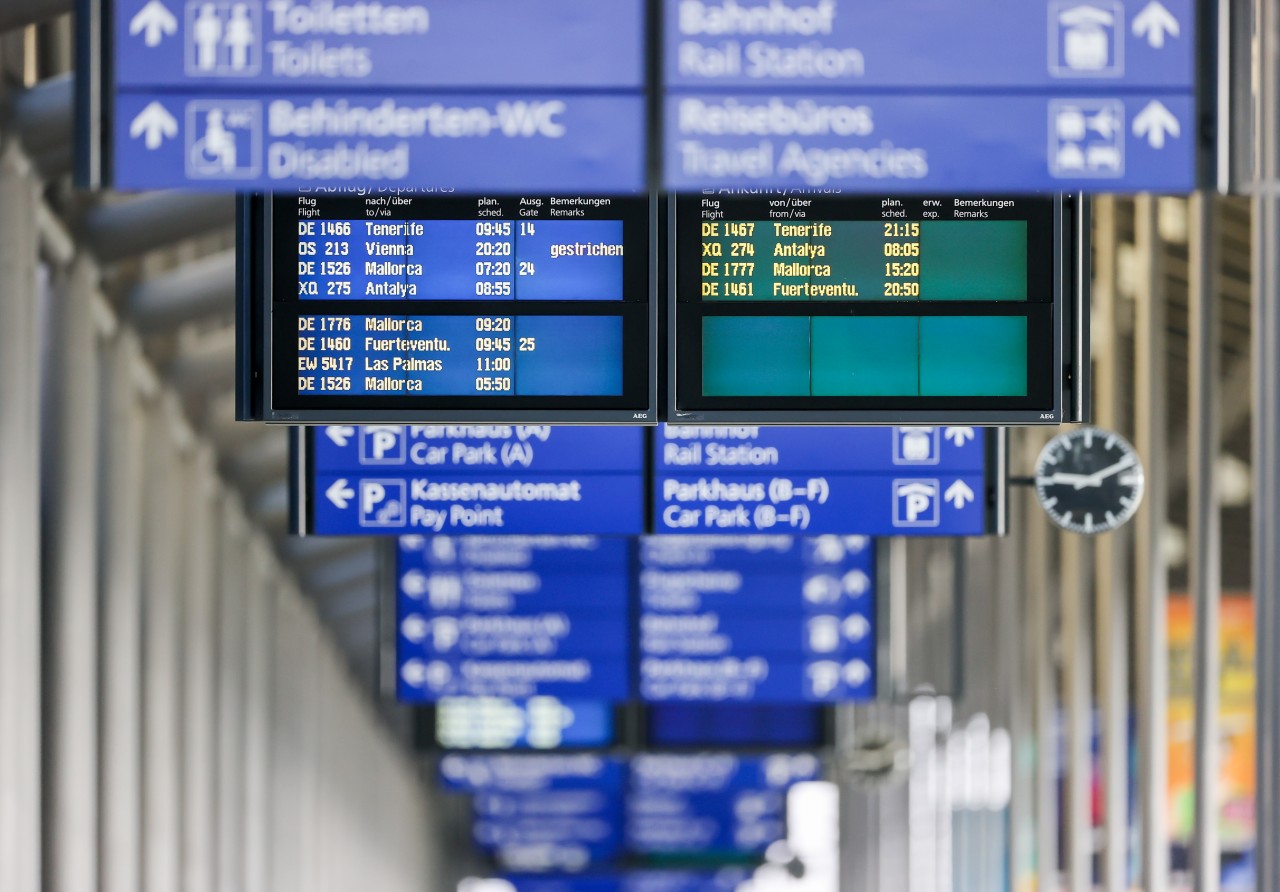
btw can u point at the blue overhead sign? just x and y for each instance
(542, 812)
(921, 96)
(774, 620)
(816, 480)
(711, 803)
(1078, 44)
(469, 628)
(504, 479)
(467, 44)
(483, 142)
(467, 95)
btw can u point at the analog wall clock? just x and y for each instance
(1089, 480)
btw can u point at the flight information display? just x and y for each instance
(428, 307)
(802, 307)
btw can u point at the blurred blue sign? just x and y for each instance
(475, 626)
(539, 723)
(1082, 45)
(391, 480)
(711, 803)
(466, 44)
(542, 812)
(477, 143)
(815, 480)
(726, 879)
(470, 95)
(725, 619)
(927, 96)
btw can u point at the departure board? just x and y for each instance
(800, 307)
(428, 307)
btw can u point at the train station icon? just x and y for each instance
(1086, 39)
(224, 38)
(916, 445)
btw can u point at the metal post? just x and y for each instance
(121, 520)
(233, 592)
(257, 841)
(1206, 557)
(1111, 601)
(19, 534)
(1077, 660)
(71, 586)
(1040, 589)
(1266, 434)
(1012, 619)
(162, 751)
(1151, 573)
(198, 631)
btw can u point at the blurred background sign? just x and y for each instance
(919, 96)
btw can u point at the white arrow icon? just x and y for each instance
(959, 435)
(856, 673)
(1154, 22)
(340, 494)
(340, 434)
(1155, 122)
(153, 21)
(958, 494)
(155, 123)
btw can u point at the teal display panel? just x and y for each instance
(794, 308)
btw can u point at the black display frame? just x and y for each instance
(268, 307)
(1056, 309)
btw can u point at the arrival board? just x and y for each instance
(399, 306)
(791, 307)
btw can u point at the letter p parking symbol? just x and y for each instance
(382, 444)
(915, 503)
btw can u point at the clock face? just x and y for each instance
(1089, 480)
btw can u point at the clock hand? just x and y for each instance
(1096, 478)
(1076, 480)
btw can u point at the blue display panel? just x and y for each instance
(729, 619)
(711, 803)
(475, 627)
(507, 479)
(538, 723)
(458, 94)
(726, 879)
(542, 812)
(413, 307)
(732, 726)
(816, 480)
(920, 96)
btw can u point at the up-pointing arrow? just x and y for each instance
(154, 123)
(959, 435)
(1154, 22)
(340, 434)
(153, 22)
(958, 494)
(1155, 122)
(340, 493)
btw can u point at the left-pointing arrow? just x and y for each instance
(153, 22)
(340, 434)
(154, 123)
(340, 493)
